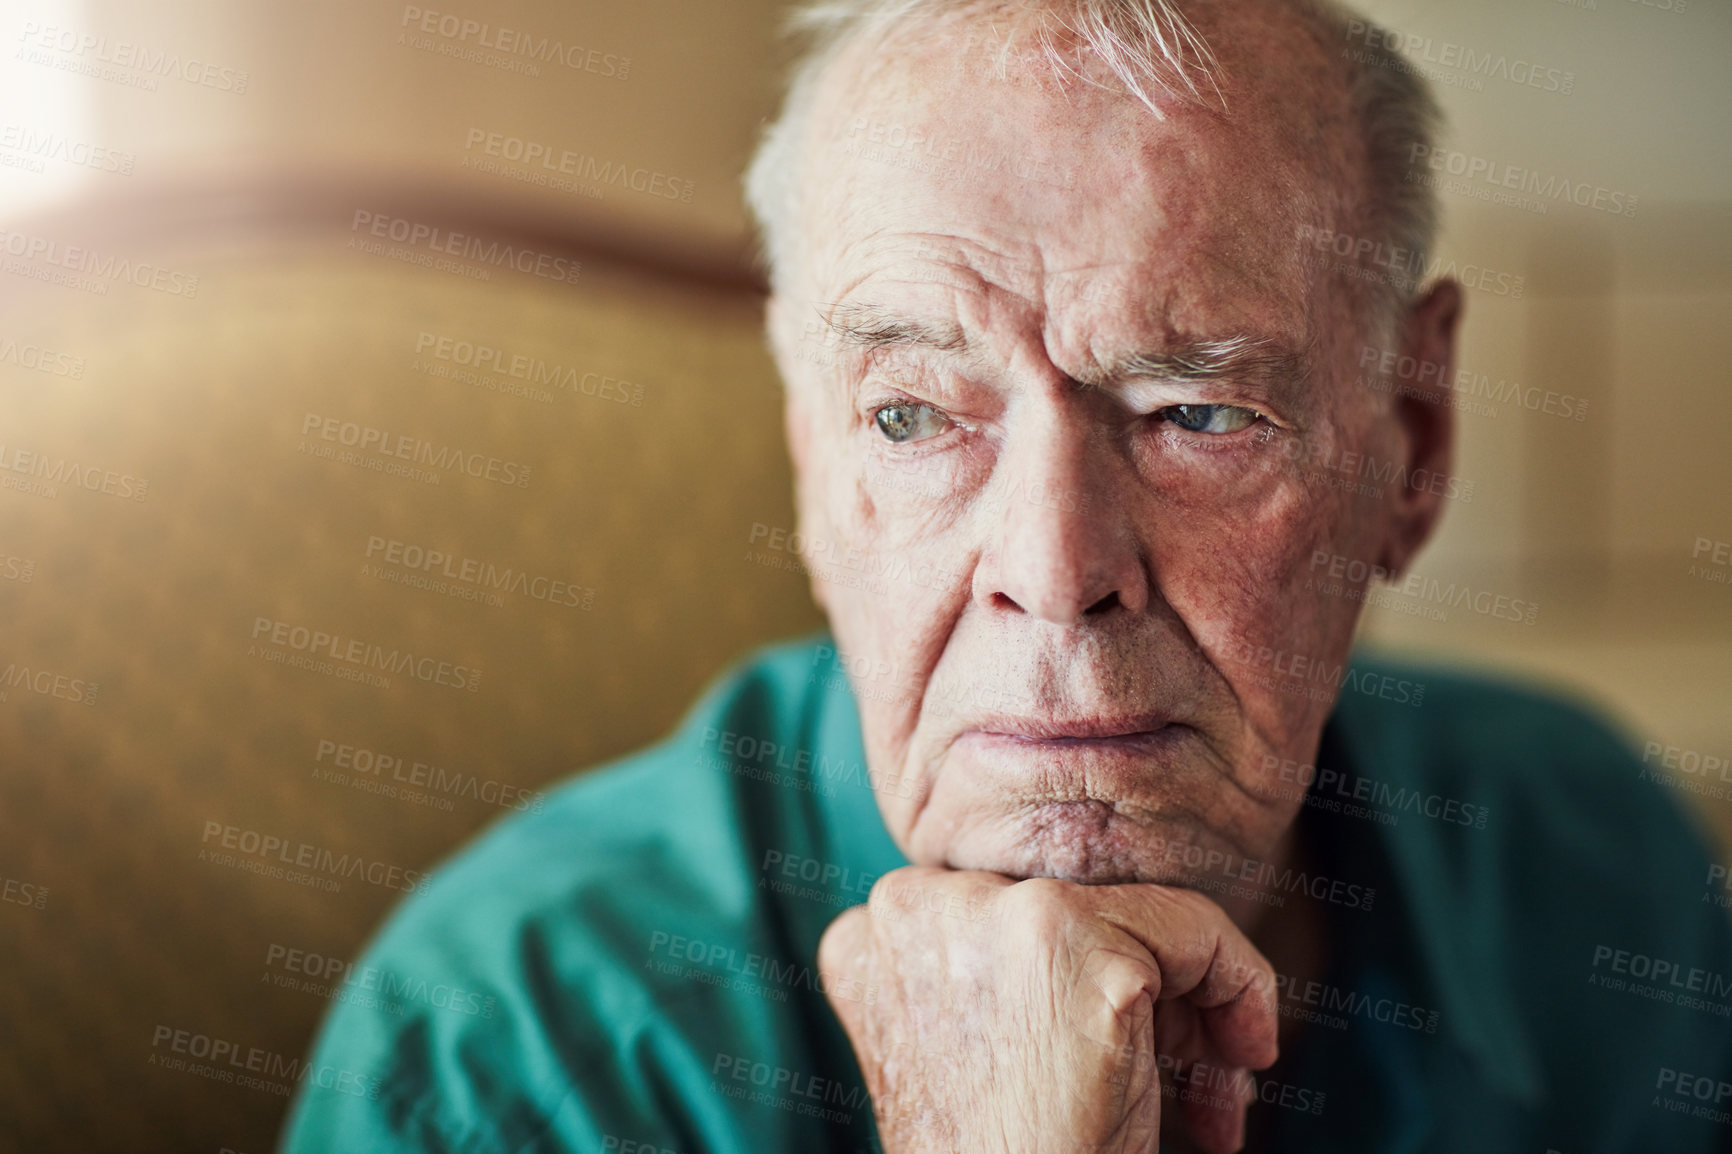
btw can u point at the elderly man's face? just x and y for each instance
(1068, 409)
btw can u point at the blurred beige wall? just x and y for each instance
(232, 145)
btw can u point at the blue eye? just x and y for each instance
(907, 421)
(1212, 419)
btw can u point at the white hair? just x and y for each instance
(1152, 49)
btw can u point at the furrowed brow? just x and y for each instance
(1255, 361)
(867, 327)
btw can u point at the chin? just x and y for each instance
(1088, 842)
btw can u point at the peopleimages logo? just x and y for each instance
(41, 146)
(82, 262)
(1503, 176)
(388, 444)
(92, 51)
(484, 576)
(484, 358)
(1324, 461)
(1313, 1001)
(352, 651)
(792, 1090)
(1205, 863)
(360, 764)
(369, 986)
(579, 165)
(1404, 268)
(1482, 65)
(250, 1059)
(52, 471)
(1387, 371)
(443, 242)
(524, 49)
(1316, 677)
(46, 683)
(1343, 576)
(16, 891)
(27, 355)
(1698, 1095)
(1676, 980)
(271, 852)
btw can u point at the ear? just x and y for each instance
(1424, 414)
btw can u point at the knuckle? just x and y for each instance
(1123, 979)
(1039, 908)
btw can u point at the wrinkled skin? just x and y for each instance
(1058, 984)
(1096, 621)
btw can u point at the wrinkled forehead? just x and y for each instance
(939, 147)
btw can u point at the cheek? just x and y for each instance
(892, 559)
(1231, 549)
(898, 533)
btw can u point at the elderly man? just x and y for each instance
(1091, 315)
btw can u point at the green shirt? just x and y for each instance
(1528, 953)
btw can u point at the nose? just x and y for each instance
(1060, 540)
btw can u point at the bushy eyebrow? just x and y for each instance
(868, 327)
(1255, 361)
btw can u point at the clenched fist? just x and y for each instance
(1035, 1016)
